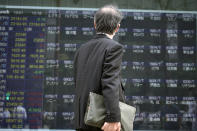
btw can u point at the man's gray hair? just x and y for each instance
(107, 19)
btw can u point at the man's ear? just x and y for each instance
(94, 24)
(117, 28)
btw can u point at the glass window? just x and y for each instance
(38, 40)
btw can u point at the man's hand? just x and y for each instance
(111, 126)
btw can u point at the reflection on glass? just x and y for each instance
(36, 67)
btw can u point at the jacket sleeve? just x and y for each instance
(111, 83)
(75, 66)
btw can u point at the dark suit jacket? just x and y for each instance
(97, 66)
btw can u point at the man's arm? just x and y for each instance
(110, 83)
(75, 66)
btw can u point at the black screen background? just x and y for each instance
(36, 64)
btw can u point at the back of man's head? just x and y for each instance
(107, 19)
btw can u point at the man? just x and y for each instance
(97, 66)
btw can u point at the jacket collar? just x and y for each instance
(100, 36)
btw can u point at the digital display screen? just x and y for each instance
(37, 47)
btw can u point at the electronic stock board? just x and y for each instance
(36, 66)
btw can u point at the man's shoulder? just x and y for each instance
(110, 43)
(113, 44)
(103, 42)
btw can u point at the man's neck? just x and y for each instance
(108, 35)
